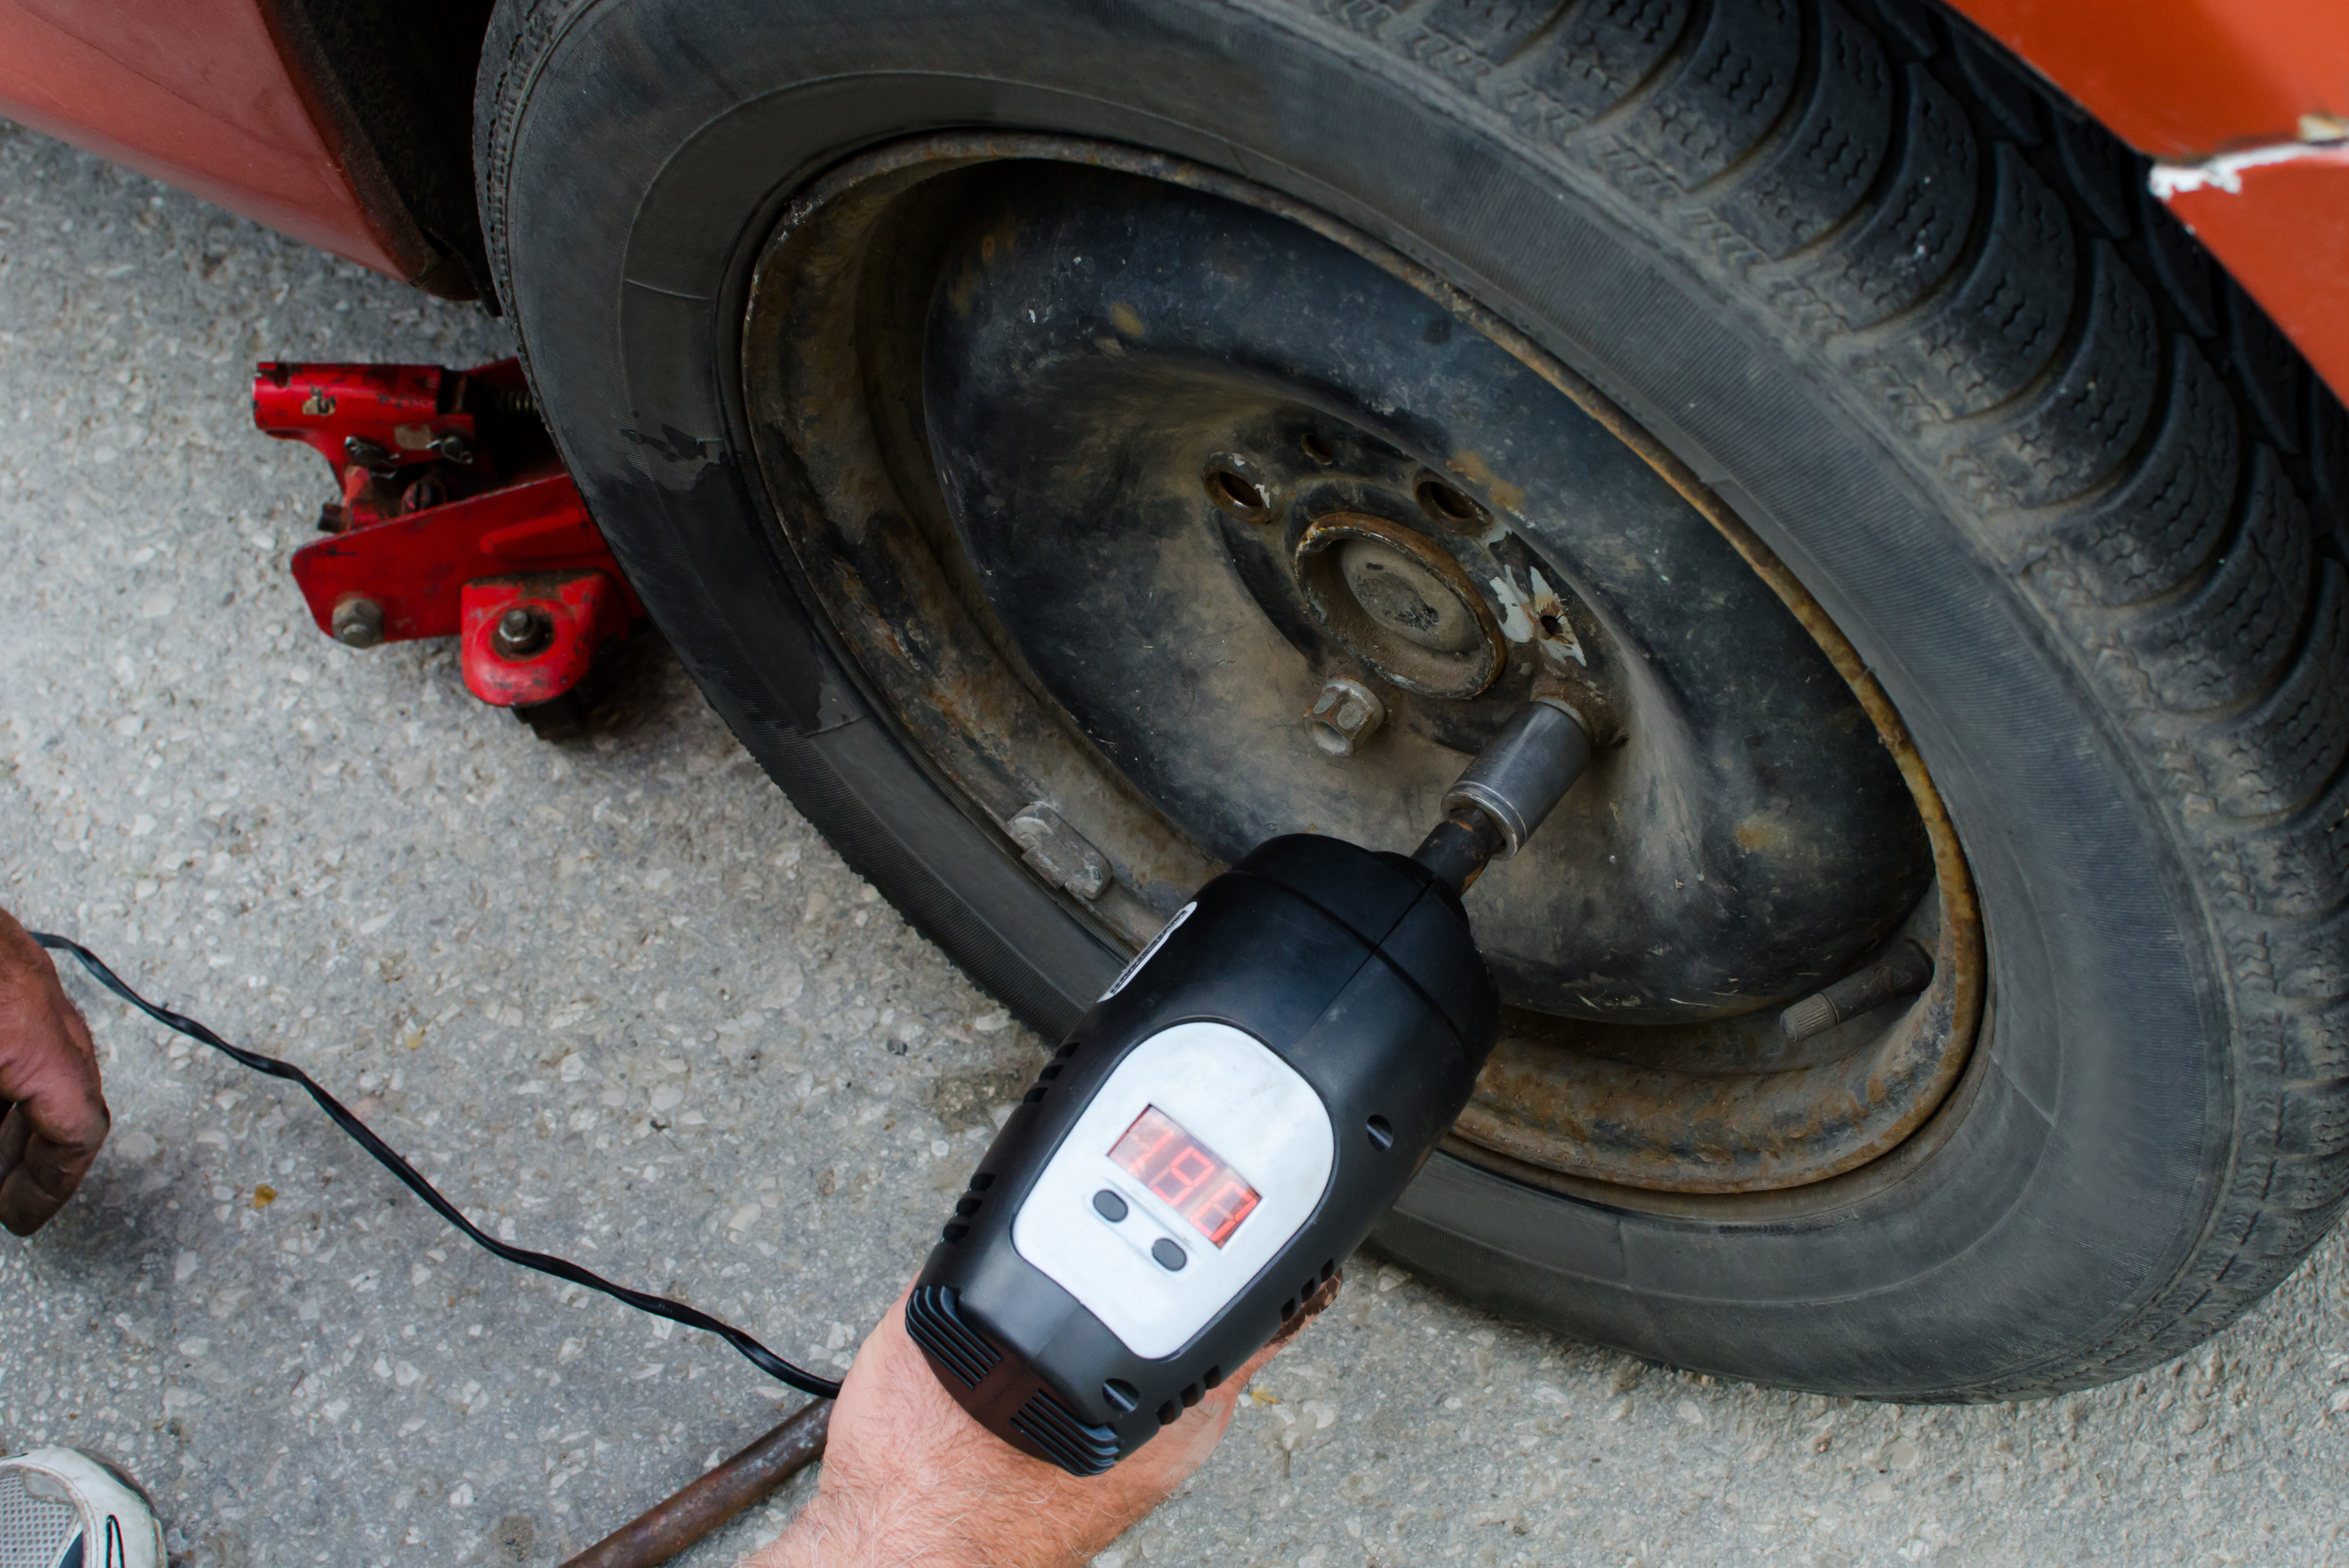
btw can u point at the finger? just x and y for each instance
(40, 1174)
(24, 1207)
(48, 1071)
(14, 1130)
(51, 1134)
(56, 1124)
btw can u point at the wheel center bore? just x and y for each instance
(1405, 598)
(1399, 604)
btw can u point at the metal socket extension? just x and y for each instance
(1526, 770)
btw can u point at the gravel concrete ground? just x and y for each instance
(621, 1002)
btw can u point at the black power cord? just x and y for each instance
(757, 1355)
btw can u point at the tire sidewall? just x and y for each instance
(629, 193)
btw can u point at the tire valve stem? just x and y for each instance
(1506, 791)
(1905, 970)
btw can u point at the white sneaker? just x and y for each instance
(62, 1508)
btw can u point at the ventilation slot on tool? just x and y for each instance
(937, 1326)
(965, 1207)
(1068, 1442)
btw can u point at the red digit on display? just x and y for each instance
(1220, 1215)
(1150, 1132)
(1177, 1168)
(1186, 1171)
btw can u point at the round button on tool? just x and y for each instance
(1170, 1256)
(1108, 1206)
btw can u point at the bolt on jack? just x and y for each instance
(521, 632)
(358, 622)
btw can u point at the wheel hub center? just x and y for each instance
(1399, 595)
(1399, 604)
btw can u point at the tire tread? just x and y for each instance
(2140, 447)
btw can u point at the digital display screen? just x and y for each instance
(1191, 1177)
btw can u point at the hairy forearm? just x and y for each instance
(912, 1525)
(835, 1536)
(911, 1481)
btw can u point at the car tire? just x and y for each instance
(1915, 319)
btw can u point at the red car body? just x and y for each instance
(2245, 101)
(203, 94)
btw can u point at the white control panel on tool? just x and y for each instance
(1195, 1163)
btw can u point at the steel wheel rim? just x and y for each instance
(1628, 1129)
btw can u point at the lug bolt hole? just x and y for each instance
(1230, 487)
(1318, 448)
(1236, 493)
(1448, 506)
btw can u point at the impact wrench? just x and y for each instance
(1228, 1122)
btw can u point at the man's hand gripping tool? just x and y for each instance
(1228, 1122)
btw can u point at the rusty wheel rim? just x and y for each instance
(1705, 1114)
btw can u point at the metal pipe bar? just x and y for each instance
(704, 1504)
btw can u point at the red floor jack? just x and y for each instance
(456, 518)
